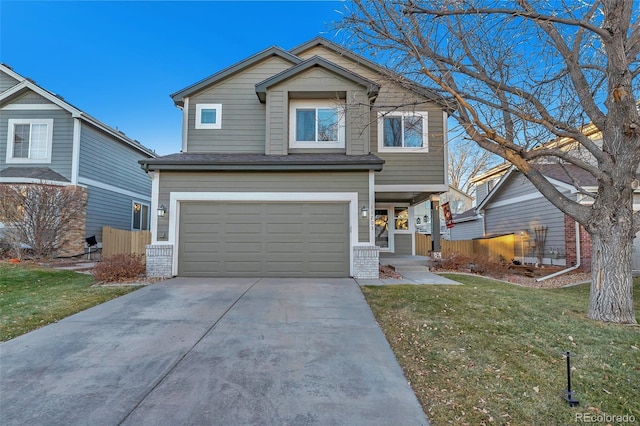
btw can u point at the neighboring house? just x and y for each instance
(459, 202)
(515, 206)
(44, 139)
(305, 162)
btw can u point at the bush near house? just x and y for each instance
(120, 267)
(42, 218)
(476, 263)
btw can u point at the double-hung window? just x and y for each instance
(29, 140)
(316, 124)
(402, 131)
(208, 116)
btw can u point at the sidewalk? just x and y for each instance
(414, 270)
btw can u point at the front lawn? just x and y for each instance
(492, 353)
(31, 297)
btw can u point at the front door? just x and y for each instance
(383, 234)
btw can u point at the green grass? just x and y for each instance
(32, 297)
(492, 353)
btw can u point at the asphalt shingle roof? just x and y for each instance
(41, 173)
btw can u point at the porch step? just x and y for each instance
(410, 268)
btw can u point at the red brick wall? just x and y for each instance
(570, 245)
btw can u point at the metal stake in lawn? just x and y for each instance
(568, 393)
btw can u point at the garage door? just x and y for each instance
(263, 239)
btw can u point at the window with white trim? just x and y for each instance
(140, 217)
(402, 131)
(29, 140)
(208, 116)
(317, 123)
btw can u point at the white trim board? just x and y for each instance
(32, 180)
(412, 188)
(112, 188)
(75, 155)
(176, 198)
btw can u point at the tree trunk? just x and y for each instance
(611, 298)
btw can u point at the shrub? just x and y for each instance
(478, 264)
(119, 267)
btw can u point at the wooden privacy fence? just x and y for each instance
(493, 247)
(423, 244)
(118, 241)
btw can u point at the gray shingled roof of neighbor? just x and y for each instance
(41, 173)
(567, 173)
(247, 162)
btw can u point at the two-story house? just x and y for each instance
(46, 140)
(305, 162)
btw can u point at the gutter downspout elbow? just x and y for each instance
(572, 268)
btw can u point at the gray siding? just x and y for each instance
(482, 190)
(320, 83)
(403, 168)
(243, 116)
(108, 208)
(403, 244)
(524, 216)
(466, 230)
(277, 117)
(262, 182)
(516, 186)
(6, 81)
(106, 160)
(31, 98)
(62, 147)
(413, 168)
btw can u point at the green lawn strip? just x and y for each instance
(489, 352)
(32, 297)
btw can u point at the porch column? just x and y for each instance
(435, 224)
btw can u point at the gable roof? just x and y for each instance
(315, 61)
(178, 97)
(25, 85)
(321, 41)
(397, 78)
(558, 174)
(32, 173)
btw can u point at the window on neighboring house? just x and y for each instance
(140, 221)
(402, 131)
(208, 116)
(29, 141)
(316, 124)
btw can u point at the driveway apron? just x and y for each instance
(211, 351)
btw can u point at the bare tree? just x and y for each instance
(40, 216)
(522, 73)
(466, 160)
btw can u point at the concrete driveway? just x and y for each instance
(211, 352)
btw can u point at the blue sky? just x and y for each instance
(120, 60)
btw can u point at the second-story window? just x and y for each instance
(208, 116)
(29, 141)
(402, 131)
(316, 124)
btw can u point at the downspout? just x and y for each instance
(578, 256)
